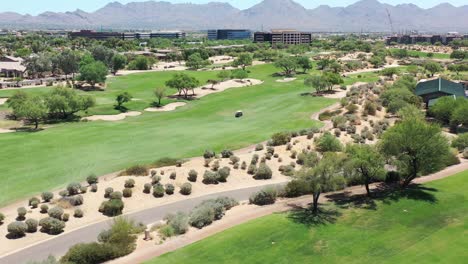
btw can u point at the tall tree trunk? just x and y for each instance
(315, 203)
(367, 189)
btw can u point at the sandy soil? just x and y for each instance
(117, 117)
(221, 59)
(166, 108)
(286, 80)
(3, 101)
(4, 131)
(206, 89)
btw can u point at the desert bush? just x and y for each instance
(92, 179)
(34, 202)
(127, 192)
(112, 207)
(202, 215)
(259, 147)
(337, 132)
(234, 160)
(351, 129)
(293, 154)
(338, 121)
(84, 189)
(63, 193)
(465, 153)
(225, 154)
(31, 225)
(108, 191)
(207, 163)
(166, 231)
(130, 183)
(236, 166)
(351, 108)
(147, 188)
(281, 138)
(209, 154)
(158, 191)
(223, 174)
(215, 165)
(47, 196)
(227, 202)
(169, 189)
(78, 213)
(73, 188)
(51, 225)
(17, 229)
(192, 176)
(179, 222)
(55, 212)
(461, 142)
(179, 163)
(328, 143)
(268, 156)
(155, 179)
(65, 217)
(252, 169)
(21, 213)
(370, 108)
(136, 170)
(263, 172)
(173, 175)
(75, 200)
(116, 195)
(244, 165)
(2, 218)
(264, 197)
(44, 209)
(94, 187)
(153, 173)
(296, 188)
(210, 177)
(186, 189)
(254, 160)
(287, 170)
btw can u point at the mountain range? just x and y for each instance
(365, 15)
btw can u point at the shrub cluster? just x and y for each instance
(263, 172)
(192, 176)
(264, 197)
(51, 225)
(210, 210)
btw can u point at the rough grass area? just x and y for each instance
(426, 224)
(45, 160)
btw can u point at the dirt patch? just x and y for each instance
(286, 80)
(166, 108)
(3, 101)
(118, 117)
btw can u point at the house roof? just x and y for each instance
(12, 66)
(440, 85)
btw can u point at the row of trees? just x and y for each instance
(290, 64)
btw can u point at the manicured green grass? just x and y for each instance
(428, 224)
(45, 160)
(420, 54)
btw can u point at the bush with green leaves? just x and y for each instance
(186, 189)
(51, 225)
(108, 191)
(55, 212)
(328, 143)
(263, 172)
(130, 183)
(84, 189)
(127, 192)
(178, 221)
(78, 213)
(44, 209)
(281, 138)
(209, 154)
(223, 174)
(147, 188)
(259, 147)
(21, 213)
(113, 207)
(116, 195)
(234, 160)
(34, 202)
(94, 187)
(47, 196)
(65, 217)
(74, 188)
(264, 197)
(75, 200)
(31, 225)
(465, 153)
(225, 154)
(287, 170)
(296, 188)
(210, 177)
(215, 166)
(16, 229)
(2, 218)
(158, 191)
(136, 170)
(227, 202)
(254, 160)
(155, 179)
(244, 165)
(252, 169)
(192, 176)
(202, 216)
(92, 179)
(461, 142)
(169, 188)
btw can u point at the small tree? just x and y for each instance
(316, 82)
(183, 83)
(118, 63)
(244, 60)
(239, 74)
(224, 75)
(122, 98)
(304, 63)
(94, 72)
(159, 93)
(33, 109)
(432, 67)
(288, 64)
(195, 62)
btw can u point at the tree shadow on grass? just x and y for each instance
(307, 217)
(347, 199)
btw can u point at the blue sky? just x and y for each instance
(38, 6)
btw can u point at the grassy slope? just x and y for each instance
(428, 226)
(35, 162)
(421, 54)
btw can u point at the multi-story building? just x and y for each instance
(126, 35)
(287, 37)
(432, 39)
(230, 34)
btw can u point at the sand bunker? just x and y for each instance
(286, 80)
(206, 90)
(166, 108)
(118, 117)
(4, 131)
(3, 101)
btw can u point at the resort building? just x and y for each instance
(287, 37)
(432, 39)
(229, 34)
(11, 67)
(127, 35)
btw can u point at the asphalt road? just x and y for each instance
(59, 245)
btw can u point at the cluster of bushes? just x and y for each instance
(450, 111)
(328, 143)
(136, 170)
(114, 206)
(264, 197)
(210, 210)
(215, 177)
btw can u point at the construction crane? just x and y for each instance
(390, 20)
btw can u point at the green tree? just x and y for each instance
(38, 65)
(121, 99)
(244, 60)
(118, 63)
(33, 109)
(316, 82)
(94, 72)
(304, 63)
(224, 75)
(64, 102)
(68, 62)
(159, 93)
(332, 79)
(239, 74)
(365, 164)
(183, 83)
(459, 54)
(288, 64)
(432, 67)
(140, 63)
(417, 146)
(103, 54)
(195, 61)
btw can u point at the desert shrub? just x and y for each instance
(169, 189)
(226, 153)
(328, 143)
(244, 165)
(223, 174)
(65, 217)
(78, 213)
(179, 222)
(44, 209)
(192, 176)
(234, 160)
(94, 187)
(461, 142)
(263, 172)
(136, 170)
(215, 165)
(281, 138)
(31, 225)
(293, 154)
(147, 188)
(370, 108)
(2, 218)
(108, 191)
(264, 197)
(51, 225)
(287, 170)
(210, 177)
(209, 154)
(202, 215)
(34, 202)
(254, 160)
(351, 108)
(84, 189)
(259, 147)
(166, 231)
(351, 129)
(296, 188)
(127, 192)
(73, 188)
(338, 121)
(130, 183)
(218, 208)
(153, 173)
(227, 202)
(207, 163)
(75, 200)
(236, 166)
(337, 132)
(63, 193)
(21, 213)
(47, 196)
(173, 175)
(116, 195)
(90, 253)
(252, 169)
(112, 207)
(55, 212)
(179, 163)
(158, 191)
(186, 189)
(17, 229)
(155, 179)
(92, 179)
(465, 153)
